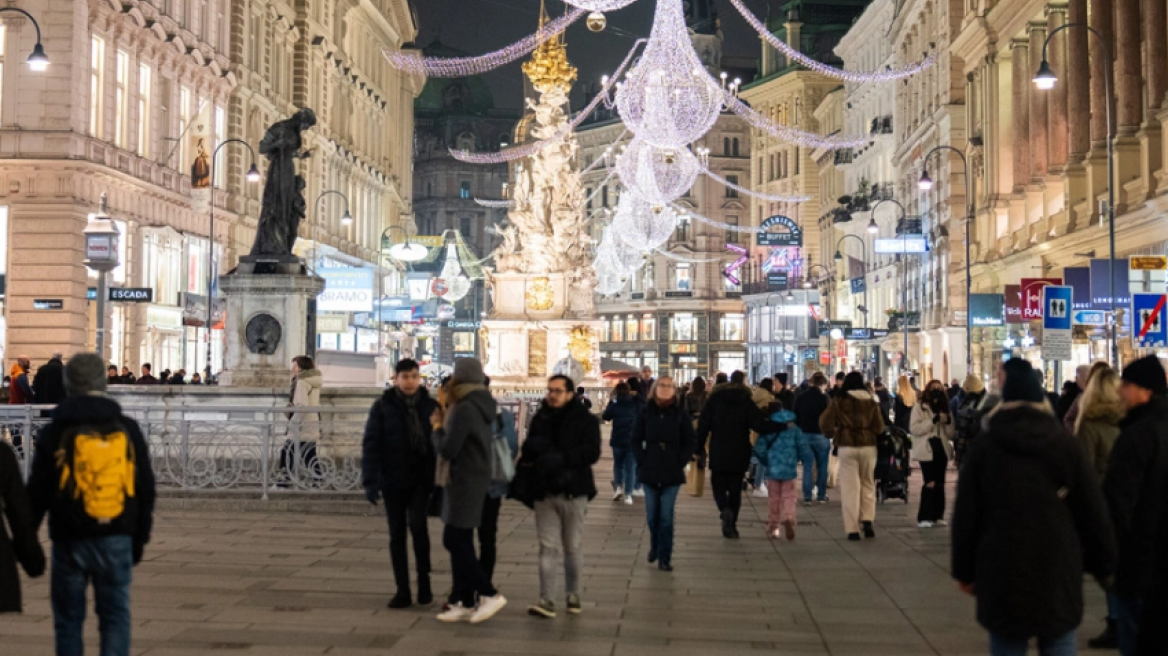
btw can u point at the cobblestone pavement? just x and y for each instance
(289, 584)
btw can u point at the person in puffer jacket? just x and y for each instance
(778, 453)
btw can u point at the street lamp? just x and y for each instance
(903, 273)
(872, 227)
(810, 268)
(101, 255)
(252, 176)
(407, 253)
(346, 220)
(925, 184)
(38, 61)
(864, 254)
(1045, 80)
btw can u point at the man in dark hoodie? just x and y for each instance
(464, 434)
(727, 420)
(808, 408)
(622, 411)
(98, 531)
(783, 392)
(1136, 488)
(397, 464)
(562, 445)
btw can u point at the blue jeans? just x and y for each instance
(1127, 622)
(815, 460)
(1064, 645)
(108, 562)
(659, 504)
(624, 469)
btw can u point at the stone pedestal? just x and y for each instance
(267, 326)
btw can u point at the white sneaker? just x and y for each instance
(628, 501)
(760, 492)
(456, 613)
(487, 608)
(940, 522)
(775, 534)
(924, 524)
(617, 494)
(638, 493)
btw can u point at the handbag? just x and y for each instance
(832, 469)
(524, 485)
(442, 472)
(695, 479)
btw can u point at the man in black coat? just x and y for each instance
(397, 463)
(1136, 487)
(783, 393)
(808, 408)
(49, 382)
(727, 420)
(146, 378)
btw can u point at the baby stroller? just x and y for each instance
(892, 464)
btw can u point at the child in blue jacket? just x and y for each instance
(778, 453)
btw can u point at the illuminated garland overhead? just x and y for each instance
(689, 260)
(599, 5)
(791, 135)
(686, 211)
(886, 75)
(778, 198)
(495, 203)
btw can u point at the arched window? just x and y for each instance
(736, 147)
(726, 147)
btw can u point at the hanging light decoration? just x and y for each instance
(643, 225)
(457, 284)
(658, 175)
(597, 22)
(623, 258)
(599, 5)
(669, 99)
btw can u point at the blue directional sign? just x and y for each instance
(1056, 307)
(1149, 327)
(859, 285)
(1089, 318)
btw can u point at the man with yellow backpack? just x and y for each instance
(91, 473)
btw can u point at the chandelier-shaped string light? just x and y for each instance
(642, 225)
(887, 75)
(599, 5)
(415, 64)
(669, 99)
(657, 175)
(624, 257)
(457, 284)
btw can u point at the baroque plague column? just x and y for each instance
(543, 319)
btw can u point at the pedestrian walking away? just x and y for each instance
(809, 407)
(563, 442)
(397, 465)
(506, 435)
(966, 422)
(853, 420)
(622, 411)
(902, 405)
(932, 434)
(778, 454)
(664, 441)
(99, 531)
(1029, 520)
(465, 441)
(22, 548)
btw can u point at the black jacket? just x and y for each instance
(663, 442)
(727, 420)
(562, 445)
(148, 379)
(622, 411)
(1136, 486)
(22, 547)
(43, 484)
(389, 459)
(903, 418)
(1066, 401)
(1029, 518)
(884, 399)
(49, 383)
(808, 407)
(787, 398)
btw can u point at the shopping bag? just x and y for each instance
(832, 470)
(695, 480)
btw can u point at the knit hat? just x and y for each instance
(1021, 383)
(1148, 373)
(469, 370)
(973, 384)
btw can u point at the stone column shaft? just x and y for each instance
(1021, 99)
(1155, 20)
(1101, 61)
(1039, 126)
(1060, 95)
(1075, 72)
(1129, 86)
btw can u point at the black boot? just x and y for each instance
(869, 532)
(727, 523)
(1109, 639)
(425, 596)
(401, 600)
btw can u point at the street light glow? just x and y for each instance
(1045, 78)
(872, 227)
(346, 219)
(38, 61)
(925, 183)
(253, 174)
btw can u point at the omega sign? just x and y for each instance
(792, 236)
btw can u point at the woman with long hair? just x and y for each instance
(853, 420)
(696, 399)
(932, 433)
(906, 398)
(664, 441)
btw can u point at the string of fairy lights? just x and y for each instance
(668, 100)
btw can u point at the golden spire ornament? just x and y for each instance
(549, 67)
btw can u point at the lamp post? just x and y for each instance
(864, 255)
(346, 220)
(1045, 80)
(38, 61)
(925, 184)
(903, 276)
(253, 176)
(101, 255)
(404, 252)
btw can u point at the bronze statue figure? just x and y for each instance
(283, 202)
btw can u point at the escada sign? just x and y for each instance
(131, 294)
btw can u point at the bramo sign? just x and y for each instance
(346, 289)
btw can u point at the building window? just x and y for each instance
(144, 88)
(683, 328)
(649, 359)
(588, 195)
(682, 232)
(96, 71)
(464, 189)
(604, 196)
(184, 121)
(731, 192)
(682, 279)
(796, 160)
(726, 147)
(736, 147)
(122, 100)
(731, 234)
(618, 329)
(648, 328)
(465, 227)
(631, 328)
(730, 362)
(604, 331)
(731, 327)
(730, 285)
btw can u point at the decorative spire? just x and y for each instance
(549, 67)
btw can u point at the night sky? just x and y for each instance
(479, 26)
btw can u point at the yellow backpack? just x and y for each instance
(97, 472)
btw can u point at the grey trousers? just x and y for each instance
(559, 522)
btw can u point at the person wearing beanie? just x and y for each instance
(463, 433)
(1028, 521)
(1136, 488)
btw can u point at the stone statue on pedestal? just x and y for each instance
(283, 204)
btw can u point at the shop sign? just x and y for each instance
(431, 241)
(841, 348)
(346, 289)
(879, 333)
(683, 348)
(163, 316)
(332, 323)
(827, 326)
(777, 280)
(791, 310)
(809, 354)
(987, 309)
(1032, 296)
(446, 311)
(908, 245)
(91, 294)
(825, 358)
(793, 236)
(859, 333)
(131, 294)
(1079, 279)
(1149, 263)
(859, 285)
(463, 325)
(679, 294)
(1013, 303)
(1101, 275)
(48, 304)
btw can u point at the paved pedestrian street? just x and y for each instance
(285, 583)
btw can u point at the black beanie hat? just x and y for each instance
(1021, 383)
(1148, 373)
